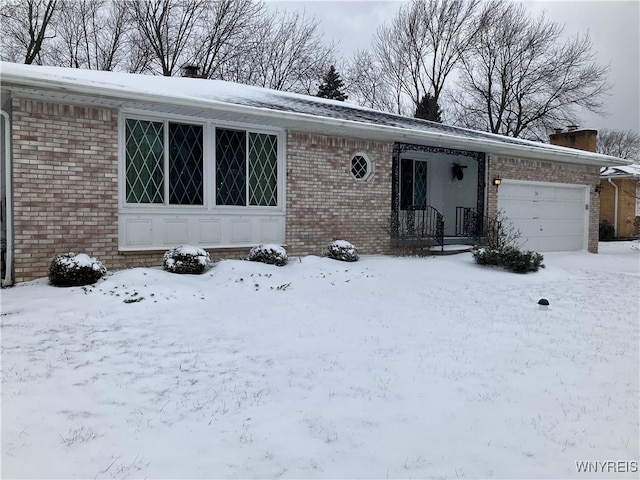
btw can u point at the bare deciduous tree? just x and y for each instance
(451, 28)
(367, 87)
(165, 28)
(224, 32)
(286, 52)
(619, 143)
(89, 34)
(424, 43)
(521, 79)
(24, 28)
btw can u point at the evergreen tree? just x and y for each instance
(428, 109)
(332, 85)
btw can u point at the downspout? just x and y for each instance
(615, 208)
(8, 168)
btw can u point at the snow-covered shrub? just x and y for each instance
(521, 261)
(271, 254)
(74, 270)
(341, 250)
(486, 256)
(186, 259)
(510, 258)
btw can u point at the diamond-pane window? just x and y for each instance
(420, 185)
(361, 166)
(185, 164)
(263, 169)
(231, 167)
(144, 161)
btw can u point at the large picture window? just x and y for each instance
(165, 165)
(147, 162)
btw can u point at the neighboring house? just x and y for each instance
(125, 166)
(620, 199)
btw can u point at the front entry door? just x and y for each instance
(413, 197)
(413, 184)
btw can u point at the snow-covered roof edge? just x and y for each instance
(622, 171)
(238, 98)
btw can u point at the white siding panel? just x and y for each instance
(158, 231)
(176, 232)
(139, 232)
(210, 231)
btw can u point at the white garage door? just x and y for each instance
(551, 217)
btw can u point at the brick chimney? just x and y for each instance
(575, 138)
(191, 71)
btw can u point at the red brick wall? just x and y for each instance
(325, 203)
(540, 171)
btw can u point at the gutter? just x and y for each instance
(615, 208)
(8, 168)
(371, 131)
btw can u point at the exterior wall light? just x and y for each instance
(497, 181)
(598, 188)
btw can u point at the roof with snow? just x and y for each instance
(226, 101)
(626, 171)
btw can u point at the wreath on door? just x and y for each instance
(457, 171)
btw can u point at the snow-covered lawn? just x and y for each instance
(387, 367)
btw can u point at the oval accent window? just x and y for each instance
(361, 166)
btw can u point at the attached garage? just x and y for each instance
(551, 217)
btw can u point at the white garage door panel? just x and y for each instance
(550, 217)
(552, 210)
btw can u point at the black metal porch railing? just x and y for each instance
(468, 223)
(424, 226)
(471, 224)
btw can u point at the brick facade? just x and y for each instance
(627, 226)
(541, 171)
(65, 189)
(324, 201)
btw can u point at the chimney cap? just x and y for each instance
(558, 130)
(190, 70)
(572, 128)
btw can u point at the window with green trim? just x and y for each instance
(246, 168)
(144, 161)
(164, 165)
(146, 157)
(263, 169)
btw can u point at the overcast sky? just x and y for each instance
(614, 27)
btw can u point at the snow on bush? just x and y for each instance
(74, 270)
(186, 259)
(341, 250)
(271, 254)
(510, 258)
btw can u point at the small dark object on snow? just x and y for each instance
(543, 301)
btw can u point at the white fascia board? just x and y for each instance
(371, 131)
(623, 175)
